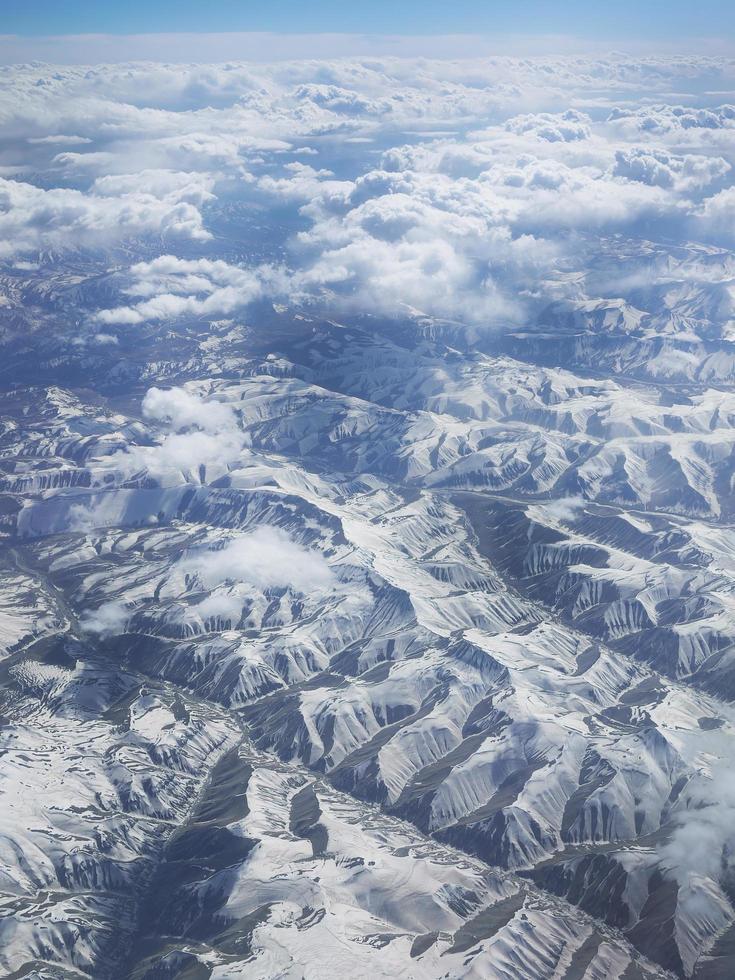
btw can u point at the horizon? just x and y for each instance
(270, 46)
(83, 32)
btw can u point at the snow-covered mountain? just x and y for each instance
(342, 635)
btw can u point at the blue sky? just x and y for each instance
(635, 20)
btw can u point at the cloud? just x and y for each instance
(460, 232)
(341, 100)
(182, 409)
(716, 214)
(60, 139)
(173, 287)
(662, 169)
(163, 185)
(674, 118)
(34, 219)
(108, 619)
(267, 559)
(565, 509)
(703, 841)
(414, 270)
(562, 127)
(202, 440)
(264, 559)
(301, 183)
(475, 182)
(180, 455)
(101, 510)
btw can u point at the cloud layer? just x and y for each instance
(476, 191)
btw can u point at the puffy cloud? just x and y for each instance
(201, 439)
(435, 277)
(662, 169)
(419, 243)
(173, 287)
(562, 127)
(267, 558)
(185, 454)
(459, 246)
(479, 180)
(341, 100)
(33, 219)
(565, 509)
(73, 164)
(264, 559)
(668, 118)
(716, 214)
(703, 839)
(301, 182)
(700, 130)
(182, 409)
(165, 185)
(108, 620)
